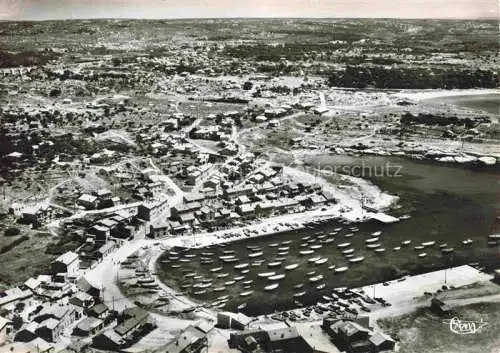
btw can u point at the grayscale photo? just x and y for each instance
(273, 176)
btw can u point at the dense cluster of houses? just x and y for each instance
(349, 335)
(264, 194)
(64, 303)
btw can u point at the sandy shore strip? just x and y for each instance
(424, 94)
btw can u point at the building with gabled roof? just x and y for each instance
(66, 263)
(191, 340)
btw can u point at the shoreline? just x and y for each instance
(425, 94)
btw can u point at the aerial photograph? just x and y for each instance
(300, 176)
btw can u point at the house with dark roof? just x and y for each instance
(191, 340)
(84, 285)
(100, 311)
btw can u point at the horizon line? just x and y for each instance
(486, 18)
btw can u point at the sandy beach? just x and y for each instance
(437, 93)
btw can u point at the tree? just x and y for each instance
(12, 231)
(247, 86)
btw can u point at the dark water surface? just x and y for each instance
(447, 204)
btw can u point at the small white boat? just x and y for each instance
(291, 267)
(380, 250)
(356, 259)
(316, 246)
(239, 278)
(467, 241)
(273, 245)
(337, 229)
(423, 254)
(341, 269)
(202, 285)
(229, 283)
(241, 266)
(284, 248)
(246, 294)
(397, 248)
(372, 240)
(299, 294)
(256, 254)
(373, 246)
(222, 275)
(331, 267)
(242, 306)
(216, 269)
(321, 261)
(349, 235)
(321, 286)
(343, 245)
(316, 279)
(314, 259)
(271, 287)
(298, 286)
(219, 289)
(266, 274)
(226, 257)
(377, 233)
(200, 292)
(428, 243)
(277, 277)
(447, 250)
(246, 283)
(306, 252)
(348, 251)
(245, 271)
(274, 264)
(418, 247)
(406, 242)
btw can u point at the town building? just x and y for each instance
(66, 263)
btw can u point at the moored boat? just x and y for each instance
(246, 294)
(266, 274)
(274, 264)
(255, 254)
(291, 267)
(271, 287)
(341, 269)
(356, 259)
(277, 277)
(321, 261)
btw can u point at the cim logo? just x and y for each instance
(461, 327)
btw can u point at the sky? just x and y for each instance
(80, 9)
